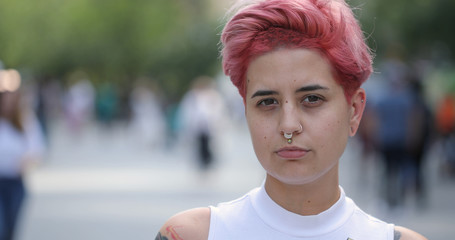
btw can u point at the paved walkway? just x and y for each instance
(103, 184)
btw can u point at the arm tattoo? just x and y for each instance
(396, 235)
(171, 231)
(159, 237)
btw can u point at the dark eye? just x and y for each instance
(312, 100)
(268, 102)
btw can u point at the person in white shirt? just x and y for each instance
(299, 65)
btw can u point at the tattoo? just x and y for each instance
(159, 237)
(396, 235)
(170, 231)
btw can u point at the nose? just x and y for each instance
(290, 121)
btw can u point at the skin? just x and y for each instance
(287, 89)
(192, 224)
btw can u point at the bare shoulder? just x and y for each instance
(402, 233)
(190, 224)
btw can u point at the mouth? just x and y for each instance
(291, 152)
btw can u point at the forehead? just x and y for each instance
(287, 66)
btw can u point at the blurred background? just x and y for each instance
(115, 115)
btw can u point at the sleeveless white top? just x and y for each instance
(257, 216)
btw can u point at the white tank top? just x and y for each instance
(257, 216)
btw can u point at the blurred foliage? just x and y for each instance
(410, 28)
(173, 41)
(170, 41)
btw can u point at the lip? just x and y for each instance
(291, 152)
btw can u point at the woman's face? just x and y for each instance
(289, 88)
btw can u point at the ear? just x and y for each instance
(357, 106)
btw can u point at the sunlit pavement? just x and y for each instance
(104, 184)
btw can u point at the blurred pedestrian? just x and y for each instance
(147, 123)
(79, 103)
(367, 133)
(21, 144)
(445, 123)
(394, 118)
(106, 104)
(420, 124)
(298, 64)
(201, 110)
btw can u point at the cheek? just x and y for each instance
(336, 131)
(261, 135)
(260, 132)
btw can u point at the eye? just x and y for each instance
(267, 102)
(312, 100)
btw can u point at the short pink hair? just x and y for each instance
(323, 25)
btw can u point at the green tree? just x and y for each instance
(417, 27)
(117, 40)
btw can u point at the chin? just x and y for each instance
(300, 179)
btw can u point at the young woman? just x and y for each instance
(298, 64)
(21, 144)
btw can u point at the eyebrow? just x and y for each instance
(264, 93)
(312, 88)
(302, 89)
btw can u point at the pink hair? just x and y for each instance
(323, 25)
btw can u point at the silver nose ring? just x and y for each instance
(288, 137)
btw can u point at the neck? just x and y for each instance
(305, 199)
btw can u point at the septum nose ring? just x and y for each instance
(288, 136)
